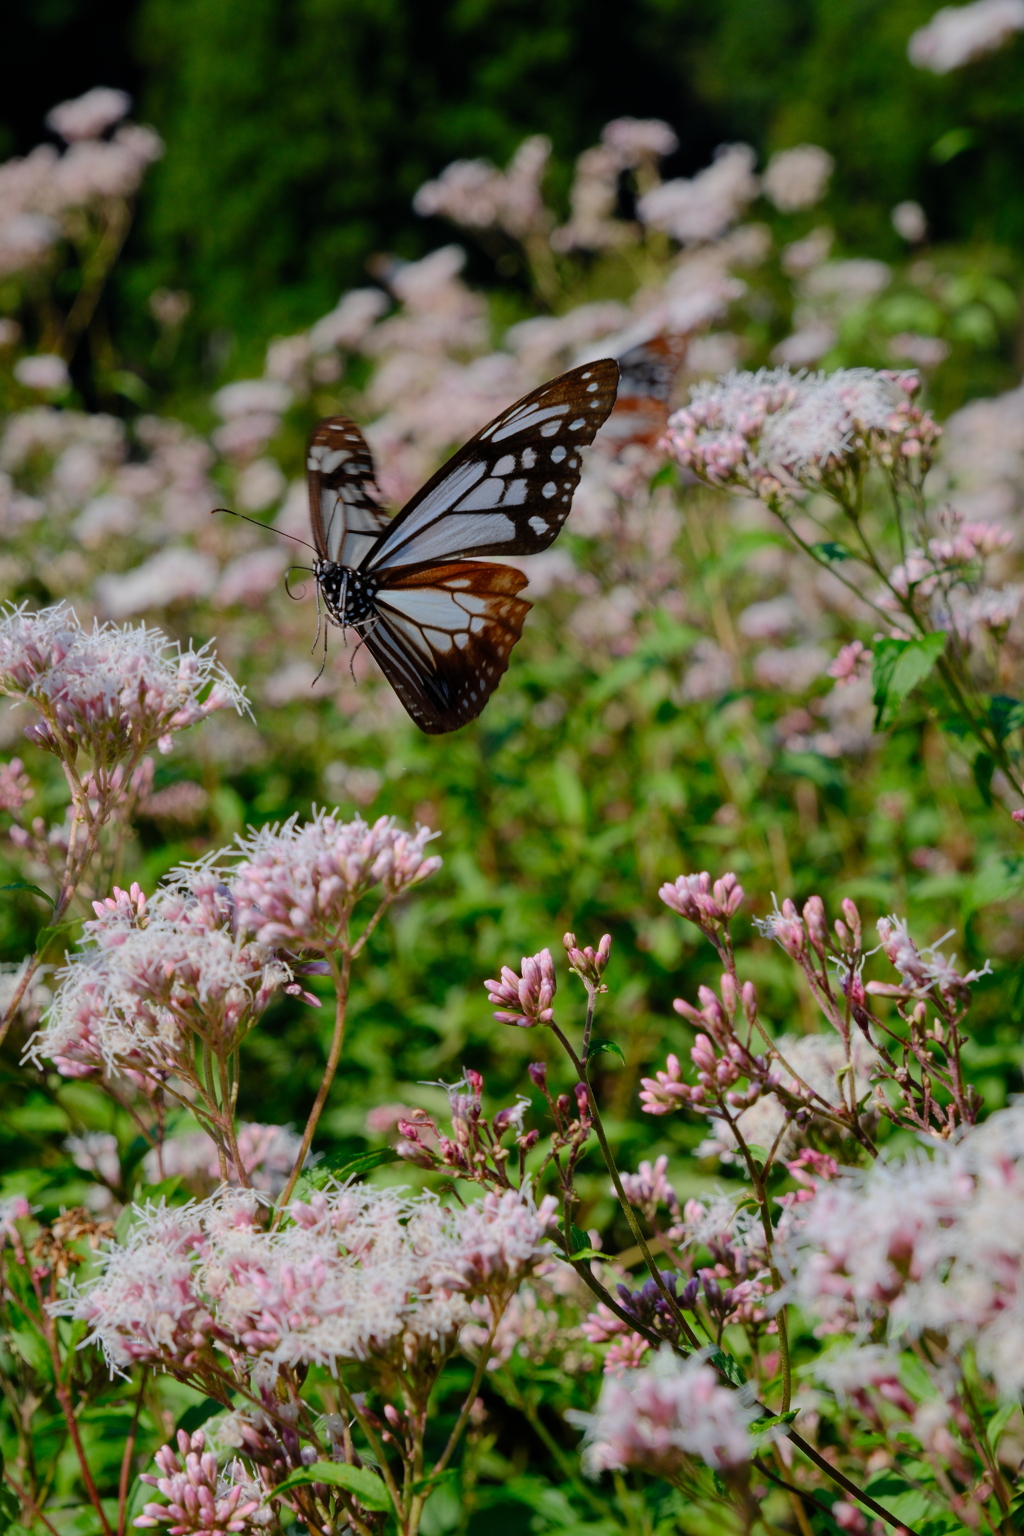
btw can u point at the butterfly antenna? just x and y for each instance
(296, 596)
(257, 524)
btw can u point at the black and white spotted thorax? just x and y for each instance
(348, 594)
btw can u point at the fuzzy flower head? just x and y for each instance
(297, 884)
(112, 692)
(658, 1417)
(923, 969)
(154, 973)
(199, 1503)
(775, 432)
(525, 1000)
(356, 1273)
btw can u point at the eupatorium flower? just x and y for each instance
(153, 973)
(656, 1417)
(774, 431)
(356, 1273)
(110, 692)
(297, 884)
(925, 1243)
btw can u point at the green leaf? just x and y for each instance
(983, 768)
(195, 1417)
(366, 1486)
(1005, 715)
(26, 885)
(342, 1165)
(585, 1255)
(10, 1508)
(831, 551)
(46, 936)
(666, 475)
(428, 1484)
(730, 1368)
(576, 1241)
(773, 1421)
(897, 668)
(608, 1045)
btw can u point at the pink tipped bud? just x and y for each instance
(817, 925)
(853, 918)
(750, 1001)
(727, 987)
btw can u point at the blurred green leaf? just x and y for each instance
(898, 667)
(367, 1487)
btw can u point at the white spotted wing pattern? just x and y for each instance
(439, 623)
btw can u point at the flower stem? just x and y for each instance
(341, 973)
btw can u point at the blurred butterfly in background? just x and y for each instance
(439, 622)
(647, 381)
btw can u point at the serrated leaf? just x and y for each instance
(898, 666)
(608, 1045)
(341, 1165)
(365, 1485)
(26, 885)
(831, 551)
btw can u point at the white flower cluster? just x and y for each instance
(932, 1243)
(357, 1273)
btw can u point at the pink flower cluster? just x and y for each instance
(774, 431)
(658, 1417)
(476, 195)
(357, 1273)
(199, 1503)
(921, 970)
(297, 884)
(526, 1000)
(110, 692)
(154, 974)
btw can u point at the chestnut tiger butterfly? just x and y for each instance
(438, 620)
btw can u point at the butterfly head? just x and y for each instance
(348, 595)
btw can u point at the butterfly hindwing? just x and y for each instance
(509, 489)
(442, 637)
(344, 501)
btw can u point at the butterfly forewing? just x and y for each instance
(509, 490)
(442, 637)
(344, 502)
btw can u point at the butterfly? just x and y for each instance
(647, 378)
(440, 622)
